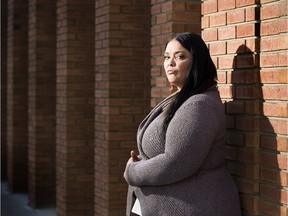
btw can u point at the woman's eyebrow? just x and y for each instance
(176, 52)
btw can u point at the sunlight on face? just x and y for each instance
(176, 63)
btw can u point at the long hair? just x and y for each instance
(202, 72)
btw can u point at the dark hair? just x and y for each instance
(202, 72)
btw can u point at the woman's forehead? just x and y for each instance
(174, 46)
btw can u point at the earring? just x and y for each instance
(171, 87)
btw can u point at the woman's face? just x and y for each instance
(176, 63)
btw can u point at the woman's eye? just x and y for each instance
(180, 57)
(176, 57)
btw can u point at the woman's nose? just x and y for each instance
(171, 61)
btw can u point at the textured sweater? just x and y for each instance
(182, 172)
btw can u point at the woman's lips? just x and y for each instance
(170, 72)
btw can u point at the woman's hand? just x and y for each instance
(132, 159)
(134, 156)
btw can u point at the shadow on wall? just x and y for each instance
(253, 164)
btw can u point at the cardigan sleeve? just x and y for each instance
(189, 137)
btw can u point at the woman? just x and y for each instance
(181, 170)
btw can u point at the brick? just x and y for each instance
(161, 18)
(272, 92)
(246, 60)
(156, 30)
(275, 109)
(247, 30)
(252, 140)
(205, 21)
(272, 193)
(167, 6)
(252, 45)
(246, 92)
(252, 76)
(274, 143)
(183, 16)
(156, 9)
(221, 77)
(274, 176)
(250, 203)
(273, 59)
(274, 10)
(237, 76)
(226, 62)
(251, 14)
(209, 35)
(247, 187)
(227, 33)
(273, 160)
(209, 7)
(167, 27)
(279, 42)
(217, 48)
(194, 6)
(218, 19)
(225, 91)
(274, 76)
(272, 208)
(252, 107)
(235, 16)
(242, 3)
(236, 46)
(266, 1)
(247, 123)
(278, 126)
(226, 4)
(275, 26)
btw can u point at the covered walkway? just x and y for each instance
(15, 204)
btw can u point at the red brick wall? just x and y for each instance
(42, 103)
(75, 108)
(122, 93)
(169, 17)
(109, 63)
(4, 89)
(17, 70)
(254, 86)
(274, 109)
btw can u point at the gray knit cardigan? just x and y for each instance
(182, 172)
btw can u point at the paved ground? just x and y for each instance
(16, 205)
